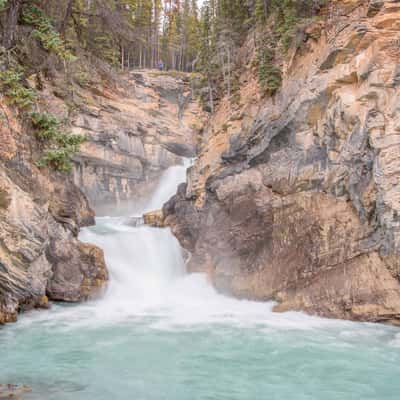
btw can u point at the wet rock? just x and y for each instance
(13, 391)
(154, 219)
(77, 275)
(135, 221)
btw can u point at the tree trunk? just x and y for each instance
(210, 91)
(10, 25)
(67, 15)
(229, 72)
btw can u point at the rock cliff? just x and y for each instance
(135, 132)
(41, 213)
(296, 197)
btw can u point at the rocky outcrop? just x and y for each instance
(41, 213)
(13, 391)
(295, 198)
(154, 219)
(135, 131)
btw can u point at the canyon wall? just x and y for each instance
(296, 197)
(135, 131)
(41, 213)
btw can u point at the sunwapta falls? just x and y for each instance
(200, 199)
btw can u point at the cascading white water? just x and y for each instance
(158, 333)
(143, 262)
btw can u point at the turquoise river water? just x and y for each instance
(159, 334)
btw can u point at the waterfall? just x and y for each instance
(143, 262)
(159, 333)
(147, 275)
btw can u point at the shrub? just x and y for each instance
(45, 32)
(46, 125)
(58, 158)
(290, 14)
(269, 75)
(61, 146)
(18, 94)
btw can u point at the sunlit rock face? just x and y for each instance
(41, 212)
(135, 132)
(296, 198)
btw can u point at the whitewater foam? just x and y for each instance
(148, 283)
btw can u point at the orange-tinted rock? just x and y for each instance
(154, 219)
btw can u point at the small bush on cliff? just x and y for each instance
(60, 146)
(58, 158)
(290, 14)
(46, 125)
(269, 75)
(45, 32)
(13, 88)
(278, 22)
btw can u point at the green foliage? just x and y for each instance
(260, 11)
(287, 22)
(46, 125)
(284, 19)
(2, 5)
(290, 14)
(269, 75)
(45, 32)
(61, 146)
(81, 78)
(15, 91)
(58, 158)
(11, 77)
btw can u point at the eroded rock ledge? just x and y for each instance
(297, 198)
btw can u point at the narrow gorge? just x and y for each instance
(199, 199)
(134, 132)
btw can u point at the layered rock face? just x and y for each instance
(40, 216)
(296, 198)
(135, 132)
